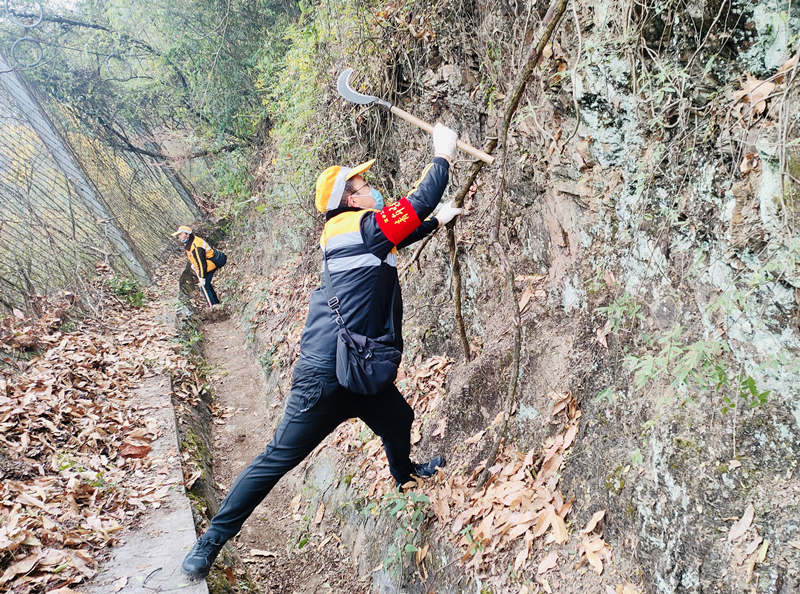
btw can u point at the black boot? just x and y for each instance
(199, 559)
(422, 470)
(428, 469)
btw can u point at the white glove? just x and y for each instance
(447, 213)
(444, 141)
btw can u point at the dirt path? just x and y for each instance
(245, 416)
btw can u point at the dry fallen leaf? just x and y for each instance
(130, 450)
(521, 558)
(742, 525)
(119, 584)
(295, 503)
(544, 584)
(762, 552)
(548, 563)
(788, 65)
(525, 299)
(261, 553)
(475, 438)
(22, 566)
(601, 334)
(751, 546)
(192, 480)
(593, 521)
(754, 92)
(593, 549)
(319, 515)
(421, 553)
(750, 163)
(440, 428)
(569, 436)
(559, 527)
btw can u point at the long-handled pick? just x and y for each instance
(346, 91)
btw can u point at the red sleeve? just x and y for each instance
(397, 221)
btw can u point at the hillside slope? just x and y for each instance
(646, 202)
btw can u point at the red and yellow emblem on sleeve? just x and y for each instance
(398, 220)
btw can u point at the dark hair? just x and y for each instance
(349, 189)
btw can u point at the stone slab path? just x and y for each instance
(149, 556)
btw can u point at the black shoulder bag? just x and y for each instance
(219, 258)
(364, 365)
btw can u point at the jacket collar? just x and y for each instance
(337, 211)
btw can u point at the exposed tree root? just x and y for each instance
(455, 269)
(554, 14)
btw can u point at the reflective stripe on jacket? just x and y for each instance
(361, 246)
(200, 254)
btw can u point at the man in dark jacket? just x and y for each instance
(360, 239)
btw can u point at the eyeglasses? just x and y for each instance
(357, 190)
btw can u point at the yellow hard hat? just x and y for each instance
(182, 229)
(330, 184)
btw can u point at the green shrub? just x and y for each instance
(128, 289)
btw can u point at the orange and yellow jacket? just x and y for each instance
(199, 254)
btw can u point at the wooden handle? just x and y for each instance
(467, 148)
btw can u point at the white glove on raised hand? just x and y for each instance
(444, 141)
(447, 213)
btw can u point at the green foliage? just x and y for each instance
(293, 106)
(745, 392)
(411, 511)
(689, 367)
(68, 326)
(609, 395)
(473, 546)
(784, 260)
(98, 482)
(267, 359)
(233, 180)
(304, 132)
(128, 289)
(190, 339)
(131, 67)
(65, 461)
(233, 183)
(676, 362)
(622, 313)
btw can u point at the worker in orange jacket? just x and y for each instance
(204, 260)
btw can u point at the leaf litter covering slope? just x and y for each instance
(498, 525)
(74, 447)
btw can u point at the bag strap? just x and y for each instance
(333, 300)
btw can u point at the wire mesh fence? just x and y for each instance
(67, 201)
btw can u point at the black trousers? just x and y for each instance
(316, 405)
(208, 290)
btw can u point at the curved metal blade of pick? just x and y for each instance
(346, 91)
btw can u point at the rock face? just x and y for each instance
(652, 227)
